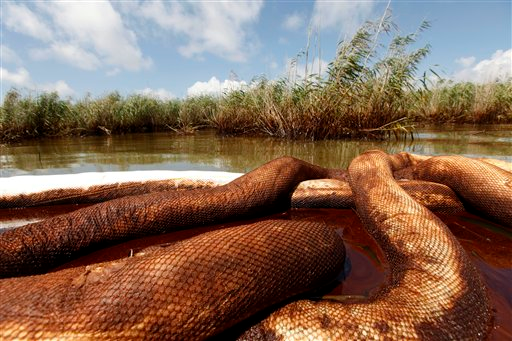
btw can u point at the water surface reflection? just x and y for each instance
(207, 151)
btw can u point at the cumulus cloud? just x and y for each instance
(97, 26)
(113, 72)
(293, 21)
(87, 35)
(19, 18)
(214, 87)
(60, 86)
(296, 71)
(220, 28)
(346, 16)
(465, 61)
(68, 53)
(21, 79)
(159, 93)
(498, 67)
(8, 55)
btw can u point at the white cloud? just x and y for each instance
(346, 16)
(61, 87)
(214, 87)
(8, 55)
(113, 72)
(159, 93)
(296, 71)
(498, 67)
(465, 61)
(293, 21)
(21, 79)
(21, 19)
(219, 28)
(97, 26)
(68, 53)
(87, 35)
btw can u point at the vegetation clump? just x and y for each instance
(369, 90)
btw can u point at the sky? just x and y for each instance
(175, 49)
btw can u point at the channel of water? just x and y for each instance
(207, 151)
(489, 245)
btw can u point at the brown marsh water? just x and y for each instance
(489, 245)
(207, 151)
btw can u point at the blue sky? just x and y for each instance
(177, 49)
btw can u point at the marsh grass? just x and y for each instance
(369, 90)
(449, 102)
(364, 92)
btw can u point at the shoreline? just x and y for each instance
(410, 134)
(294, 111)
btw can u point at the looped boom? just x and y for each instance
(433, 292)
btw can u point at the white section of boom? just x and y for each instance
(30, 184)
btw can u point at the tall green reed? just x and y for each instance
(369, 90)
